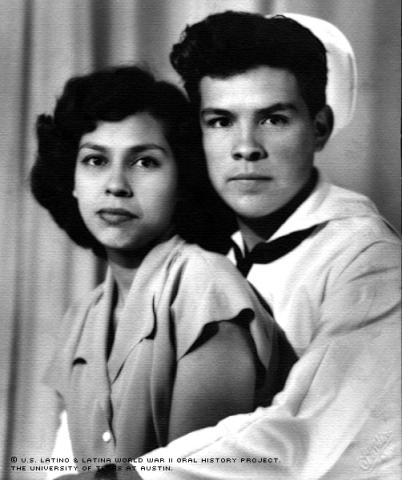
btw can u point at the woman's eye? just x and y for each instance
(94, 160)
(146, 162)
(218, 122)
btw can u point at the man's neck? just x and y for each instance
(259, 230)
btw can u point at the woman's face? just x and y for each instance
(126, 182)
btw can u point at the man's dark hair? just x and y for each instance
(111, 95)
(229, 43)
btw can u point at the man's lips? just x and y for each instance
(249, 183)
(115, 215)
(250, 177)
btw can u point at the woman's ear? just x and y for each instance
(323, 126)
(74, 193)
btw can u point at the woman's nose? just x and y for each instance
(118, 184)
(247, 146)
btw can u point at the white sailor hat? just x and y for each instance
(342, 71)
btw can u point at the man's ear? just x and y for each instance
(74, 193)
(323, 126)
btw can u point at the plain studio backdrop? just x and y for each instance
(43, 43)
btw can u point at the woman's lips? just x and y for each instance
(115, 216)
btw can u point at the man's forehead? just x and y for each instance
(262, 85)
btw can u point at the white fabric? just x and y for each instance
(337, 296)
(342, 70)
(62, 447)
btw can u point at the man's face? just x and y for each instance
(258, 137)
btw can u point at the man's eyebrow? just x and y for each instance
(135, 149)
(279, 106)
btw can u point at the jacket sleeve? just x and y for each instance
(339, 413)
(210, 291)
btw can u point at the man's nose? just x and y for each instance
(248, 147)
(118, 184)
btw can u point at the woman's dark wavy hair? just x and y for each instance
(230, 43)
(112, 95)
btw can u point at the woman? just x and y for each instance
(174, 339)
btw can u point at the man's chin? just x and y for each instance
(253, 210)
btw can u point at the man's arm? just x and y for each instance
(339, 413)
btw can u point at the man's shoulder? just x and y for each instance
(350, 213)
(369, 228)
(366, 243)
(352, 202)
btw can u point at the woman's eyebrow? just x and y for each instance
(147, 146)
(92, 146)
(134, 149)
(214, 111)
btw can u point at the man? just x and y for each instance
(321, 256)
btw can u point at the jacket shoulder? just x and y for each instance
(197, 259)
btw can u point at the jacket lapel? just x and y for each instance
(92, 345)
(138, 320)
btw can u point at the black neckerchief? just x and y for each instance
(268, 252)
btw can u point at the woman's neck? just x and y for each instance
(124, 268)
(124, 277)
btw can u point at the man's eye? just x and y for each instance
(146, 162)
(94, 160)
(276, 120)
(218, 122)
